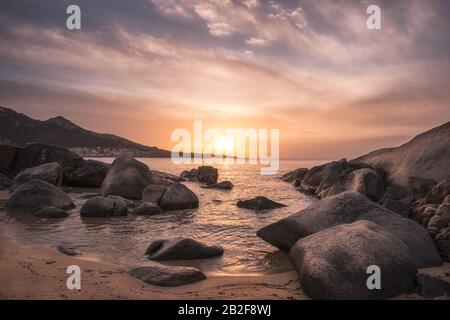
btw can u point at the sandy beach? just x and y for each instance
(40, 273)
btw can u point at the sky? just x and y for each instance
(312, 69)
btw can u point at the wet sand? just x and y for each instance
(40, 273)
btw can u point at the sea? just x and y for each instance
(217, 221)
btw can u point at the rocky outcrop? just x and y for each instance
(127, 178)
(295, 177)
(153, 193)
(51, 213)
(178, 196)
(48, 172)
(346, 208)
(147, 209)
(203, 174)
(35, 195)
(181, 249)
(103, 207)
(167, 276)
(427, 156)
(77, 172)
(259, 204)
(333, 263)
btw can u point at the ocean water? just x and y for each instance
(217, 221)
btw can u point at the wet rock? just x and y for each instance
(123, 201)
(153, 193)
(259, 203)
(434, 282)
(127, 178)
(324, 176)
(224, 185)
(164, 178)
(332, 264)
(167, 276)
(306, 190)
(35, 195)
(203, 174)
(297, 174)
(181, 249)
(346, 208)
(51, 213)
(147, 209)
(178, 196)
(48, 172)
(103, 207)
(89, 174)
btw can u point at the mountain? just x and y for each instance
(19, 129)
(425, 156)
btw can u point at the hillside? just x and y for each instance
(425, 156)
(19, 129)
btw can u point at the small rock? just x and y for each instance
(167, 276)
(259, 203)
(147, 209)
(181, 249)
(178, 196)
(69, 250)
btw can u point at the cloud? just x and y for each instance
(256, 42)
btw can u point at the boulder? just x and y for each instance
(178, 196)
(103, 207)
(35, 195)
(51, 213)
(181, 249)
(396, 206)
(442, 241)
(325, 175)
(365, 181)
(164, 178)
(333, 263)
(297, 174)
(123, 202)
(48, 172)
(167, 276)
(147, 209)
(153, 193)
(203, 174)
(127, 178)
(90, 174)
(259, 203)
(348, 207)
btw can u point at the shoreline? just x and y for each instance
(34, 272)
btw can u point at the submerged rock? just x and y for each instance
(167, 276)
(259, 203)
(178, 196)
(333, 263)
(147, 209)
(181, 249)
(51, 213)
(223, 185)
(48, 172)
(346, 208)
(35, 195)
(103, 207)
(127, 178)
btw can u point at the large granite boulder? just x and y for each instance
(127, 178)
(259, 204)
(325, 175)
(365, 181)
(178, 196)
(103, 207)
(333, 263)
(35, 195)
(167, 276)
(90, 174)
(348, 207)
(48, 172)
(181, 249)
(153, 193)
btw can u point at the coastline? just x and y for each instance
(30, 272)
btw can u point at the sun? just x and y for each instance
(224, 145)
